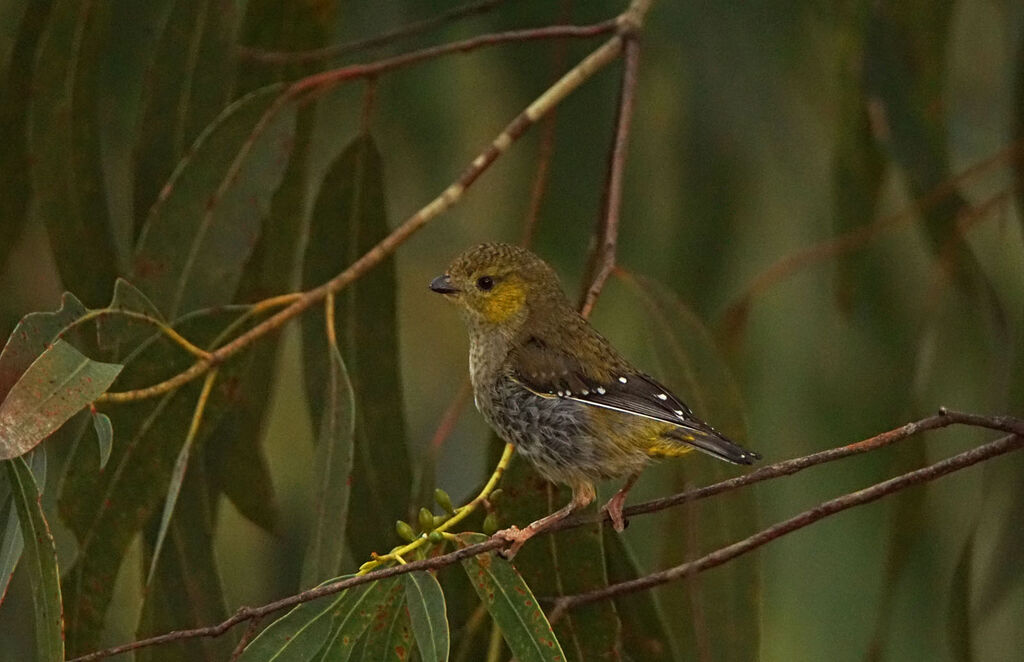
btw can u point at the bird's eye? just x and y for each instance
(485, 282)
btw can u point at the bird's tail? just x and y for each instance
(682, 439)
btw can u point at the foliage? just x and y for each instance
(807, 254)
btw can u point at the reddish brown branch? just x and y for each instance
(821, 511)
(608, 236)
(944, 418)
(383, 39)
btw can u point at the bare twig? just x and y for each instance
(821, 511)
(384, 39)
(944, 418)
(608, 236)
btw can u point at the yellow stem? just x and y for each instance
(162, 326)
(494, 646)
(461, 513)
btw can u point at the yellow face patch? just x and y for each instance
(505, 301)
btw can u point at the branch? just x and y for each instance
(608, 237)
(575, 77)
(825, 509)
(339, 50)
(944, 418)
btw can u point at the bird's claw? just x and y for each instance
(516, 536)
(614, 510)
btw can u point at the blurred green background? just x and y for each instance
(762, 129)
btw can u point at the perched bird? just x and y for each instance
(551, 385)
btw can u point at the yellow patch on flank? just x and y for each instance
(505, 300)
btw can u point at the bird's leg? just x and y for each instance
(582, 495)
(614, 505)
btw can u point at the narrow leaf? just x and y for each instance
(349, 217)
(104, 435)
(67, 173)
(203, 227)
(188, 83)
(333, 468)
(11, 541)
(351, 617)
(389, 637)
(57, 384)
(959, 615)
(428, 615)
(299, 634)
(41, 562)
(511, 604)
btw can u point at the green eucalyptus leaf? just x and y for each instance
(428, 615)
(40, 561)
(389, 637)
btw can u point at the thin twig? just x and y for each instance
(821, 511)
(162, 326)
(579, 74)
(608, 236)
(383, 39)
(944, 418)
(250, 633)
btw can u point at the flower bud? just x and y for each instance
(405, 531)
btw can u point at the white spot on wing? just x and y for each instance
(662, 396)
(623, 380)
(600, 390)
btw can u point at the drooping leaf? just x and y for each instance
(428, 615)
(40, 561)
(202, 229)
(67, 174)
(351, 617)
(511, 604)
(645, 630)
(567, 562)
(719, 611)
(104, 435)
(57, 385)
(299, 634)
(15, 90)
(11, 541)
(188, 84)
(349, 217)
(34, 333)
(186, 584)
(115, 331)
(236, 455)
(333, 468)
(389, 637)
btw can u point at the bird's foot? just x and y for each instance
(614, 510)
(517, 537)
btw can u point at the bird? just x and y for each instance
(552, 386)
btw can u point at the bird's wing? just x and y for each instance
(551, 373)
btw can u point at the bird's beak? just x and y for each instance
(442, 285)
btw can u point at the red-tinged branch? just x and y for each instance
(944, 418)
(384, 39)
(608, 236)
(806, 518)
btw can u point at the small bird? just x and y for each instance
(552, 386)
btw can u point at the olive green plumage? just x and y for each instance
(550, 384)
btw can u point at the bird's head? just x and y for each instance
(500, 286)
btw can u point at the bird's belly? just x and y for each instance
(555, 436)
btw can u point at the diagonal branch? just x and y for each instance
(603, 260)
(944, 418)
